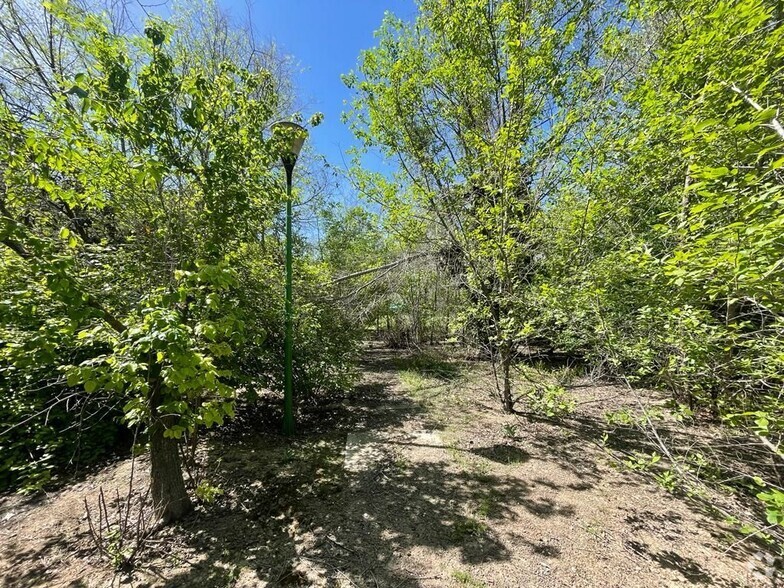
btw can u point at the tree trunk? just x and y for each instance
(731, 317)
(169, 498)
(506, 360)
(167, 486)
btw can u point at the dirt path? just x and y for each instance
(415, 480)
(445, 497)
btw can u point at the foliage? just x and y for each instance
(510, 431)
(399, 295)
(138, 222)
(126, 154)
(552, 401)
(465, 579)
(39, 432)
(474, 103)
(642, 461)
(603, 180)
(208, 493)
(774, 505)
(680, 288)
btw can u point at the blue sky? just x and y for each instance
(325, 37)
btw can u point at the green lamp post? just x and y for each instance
(292, 137)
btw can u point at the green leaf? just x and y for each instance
(174, 432)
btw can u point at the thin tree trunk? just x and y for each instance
(506, 360)
(731, 317)
(684, 212)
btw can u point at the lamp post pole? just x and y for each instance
(294, 137)
(288, 375)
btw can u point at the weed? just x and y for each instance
(480, 468)
(509, 431)
(594, 529)
(551, 401)
(625, 417)
(469, 527)
(640, 461)
(414, 381)
(681, 412)
(431, 366)
(774, 505)
(566, 375)
(667, 480)
(466, 579)
(120, 532)
(458, 456)
(207, 493)
(488, 506)
(622, 417)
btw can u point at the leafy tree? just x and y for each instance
(141, 275)
(127, 204)
(474, 104)
(662, 255)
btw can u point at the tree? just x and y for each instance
(474, 105)
(128, 200)
(674, 279)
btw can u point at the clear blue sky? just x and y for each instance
(325, 37)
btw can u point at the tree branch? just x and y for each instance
(774, 122)
(89, 299)
(376, 269)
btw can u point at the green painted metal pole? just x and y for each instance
(288, 377)
(292, 136)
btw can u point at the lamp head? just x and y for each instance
(292, 136)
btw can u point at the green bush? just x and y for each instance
(551, 401)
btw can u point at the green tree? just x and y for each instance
(474, 104)
(664, 258)
(128, 203)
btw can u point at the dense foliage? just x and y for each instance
(141, 251)
(603, 179)
(477, 104)
(599, 179)
(674, 275)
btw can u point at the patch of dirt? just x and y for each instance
(416, 484)
(44, 540)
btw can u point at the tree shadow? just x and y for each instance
(363, 527)
(543, 548)
(577, 442)
(391, 511)
(31, 566)
(566, 442)
(670, 560)
(293, 516)
(502, 453)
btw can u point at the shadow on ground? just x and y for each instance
(577, 444)
(33, 566)
(292, 516)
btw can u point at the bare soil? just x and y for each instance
(416, 479)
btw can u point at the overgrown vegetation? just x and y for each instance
(140, 245)
(602, 180)
(596, 184)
